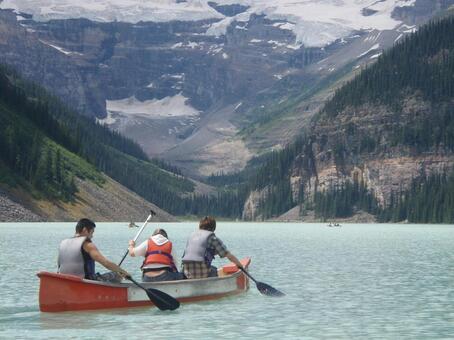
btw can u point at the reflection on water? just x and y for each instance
(358, 281)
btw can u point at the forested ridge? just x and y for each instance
(422, 66)
(45, 145)
(41, 140)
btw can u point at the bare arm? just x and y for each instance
(96, 255)
(233, 258)
(131, 248)
(140, 250)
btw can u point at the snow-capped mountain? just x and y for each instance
(314, 22)
(183, 78)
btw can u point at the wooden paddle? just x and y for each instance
(263, 287)
(152, 213)
(160, 299)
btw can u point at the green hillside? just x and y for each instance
(45, 145)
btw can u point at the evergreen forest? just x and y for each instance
(421, 64)
(45, 145)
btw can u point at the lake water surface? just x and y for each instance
(358, 281)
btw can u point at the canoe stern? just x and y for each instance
(60, 292)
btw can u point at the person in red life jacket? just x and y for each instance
(200, 250)
(159, 263)
(77, 256)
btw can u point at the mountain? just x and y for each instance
(52, 161)
(203, 85)
(55, 162)
(383, 144)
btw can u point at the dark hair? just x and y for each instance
(85, 223)
(160, 231)
(207, 223)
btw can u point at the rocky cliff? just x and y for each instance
(382, 146)
(389, 169)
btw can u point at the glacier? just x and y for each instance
(315, 23)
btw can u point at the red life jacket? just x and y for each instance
(159, 254)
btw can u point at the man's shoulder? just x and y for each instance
(213, 239)
(74, 239)
(88, 244)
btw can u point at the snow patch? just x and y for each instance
(214, 51)
(179, 76)
(60, 49)
(284, 26)
(190, 44)
(375, 47)
(397, 39)
(175, 106)
(280, 44)
(375, 55)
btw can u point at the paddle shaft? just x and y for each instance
(138, 234)
(249, 275)
(160, 299)
(136, 283)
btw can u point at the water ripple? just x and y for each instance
(366, 282)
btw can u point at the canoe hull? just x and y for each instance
(60, 292)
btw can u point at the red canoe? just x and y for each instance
(60, 292)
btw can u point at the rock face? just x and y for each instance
(12, 211)
(331, 158)
(250, 210)
(378, 163)
(143, 78)
(109, 202)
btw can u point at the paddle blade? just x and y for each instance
(268, 290)
(162, 300)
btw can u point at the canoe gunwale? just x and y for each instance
(62, 292)
(129, 284)
(145, 284)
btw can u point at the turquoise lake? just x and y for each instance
(373, 281)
